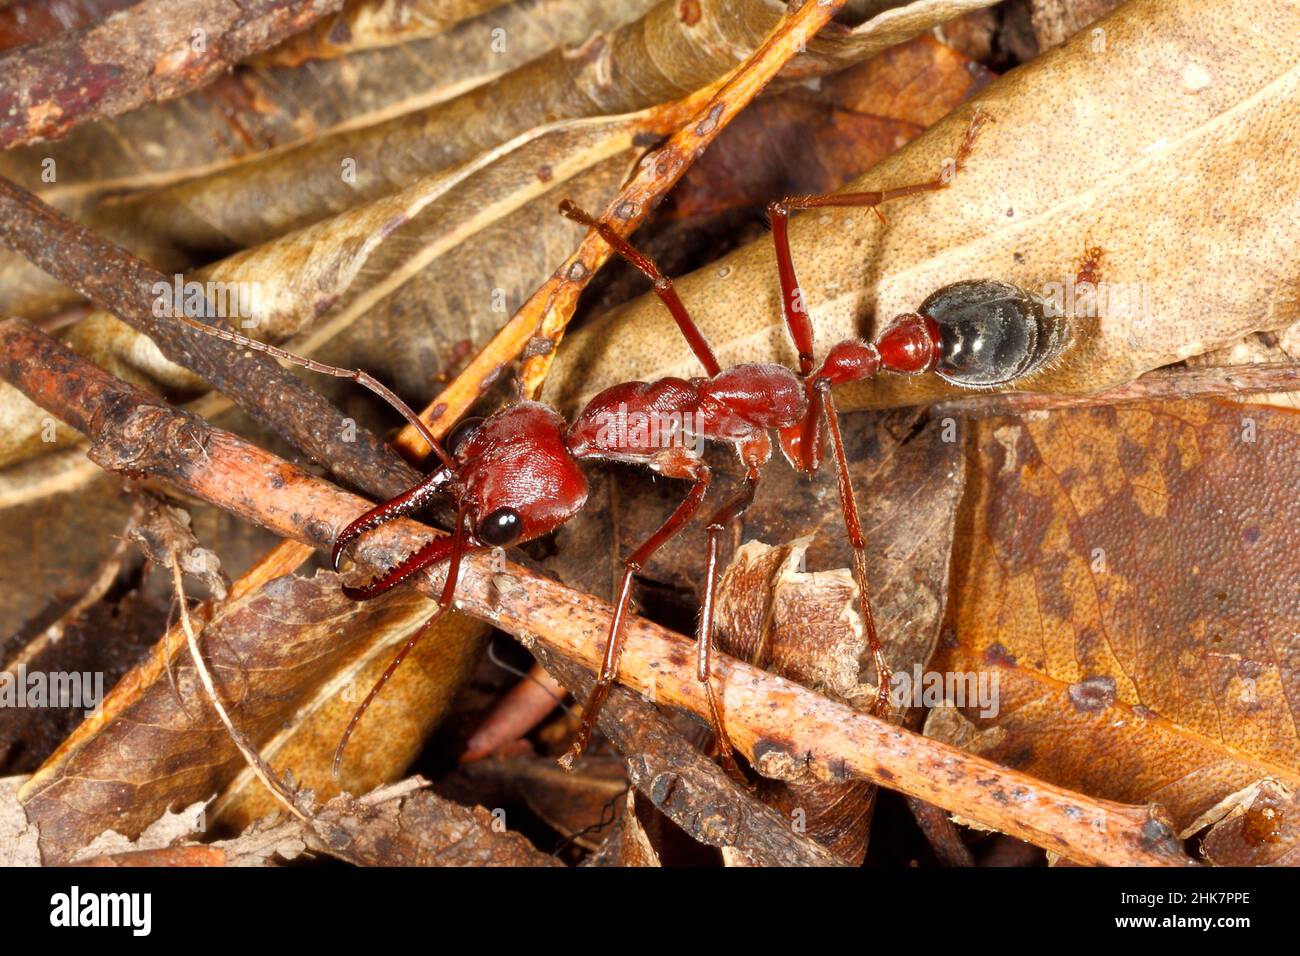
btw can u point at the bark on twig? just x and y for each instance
(125, 285)
(941, 833)
(786, 730)
(155, 50)
(691, 790)
(34, 21)
(1224, 381)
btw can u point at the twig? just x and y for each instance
(539, 323)
(691, 790)
(658, 172)
(522, 708)
(534, 331)
(125, 285)
(250, 755)
(941, 833)
(787, 730)
(1223, 381)
(153, 51)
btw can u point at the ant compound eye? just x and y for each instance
(991, 332)
(461, 433)
(501, 527)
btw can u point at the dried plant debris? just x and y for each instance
(1081, 572)
(1181, 126)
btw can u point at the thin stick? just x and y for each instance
(251, 756)
(661, 169)
(784, 728)
(1227, 382)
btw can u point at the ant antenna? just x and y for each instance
(357, 375)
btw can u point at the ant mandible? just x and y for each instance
(516, 475)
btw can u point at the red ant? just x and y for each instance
(516, 476)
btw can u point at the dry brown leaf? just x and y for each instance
(1168, 145)
(19, 845)
(669, 53)
(154, 745)
(367, 24)
(413, 704)
(1128, 575)
(404, 824)
(254, 110)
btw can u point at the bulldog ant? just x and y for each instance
(516, 475)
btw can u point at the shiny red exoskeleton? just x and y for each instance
(517, 475)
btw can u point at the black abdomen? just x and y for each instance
(992, 332)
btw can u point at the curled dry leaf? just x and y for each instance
(346, 265)
(254, 110)
(1123, 145)
(805, 627)
(662, 57)
(145, 53)
(799, 624)
(366, 24)
(289, 661)
(1128, 576)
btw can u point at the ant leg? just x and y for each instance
(700, 473)
(728, 513)
(856, 538)
(663, 286)
(792, 302)
(454, 551)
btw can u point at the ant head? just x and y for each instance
(516, 477)
(990, 332)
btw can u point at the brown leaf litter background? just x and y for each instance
(1127, 571)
